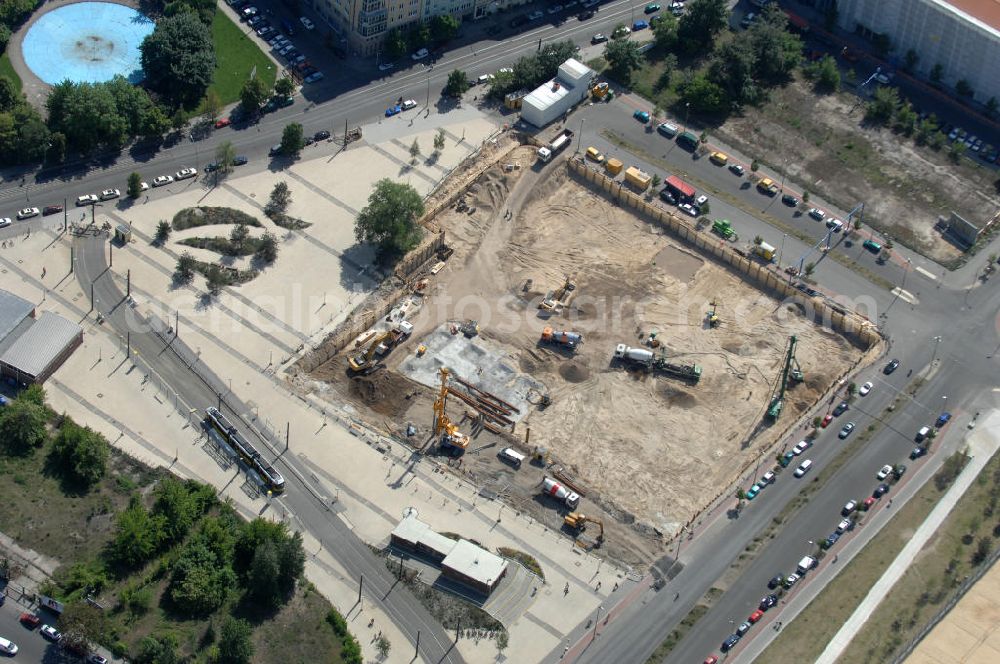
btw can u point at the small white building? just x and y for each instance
(552, 100)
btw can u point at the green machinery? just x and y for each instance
(723, 228)
(791, 374)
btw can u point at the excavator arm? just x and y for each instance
(363, 361)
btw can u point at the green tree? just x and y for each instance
(701, 22)
(963, 88)
(457, 83)
(179, 503)
(826, 74)
(292, 139)
(383, 646)
(937, 72)
(81, 453)
(419, 36)
(414, 151)
(732, 69)
(235, 642)
(56, 152)
(665, 32)
(956, 151)
(502, 641)
(280, 199)
(88, 115)
(212, 105)
(263, 577)
(138, 534)
(439, 141)
(199, 580)
(704, 96)
(155, 123)
(905, 119)
(22, 427)
(267, 250)
(184, 272)
(910, 60)
(925, 129)
(9, 96)
(253, 94)
(178, 58)
(162, 232)
(284, 86)
(81, 625)
(395, 44)
(669, 65)
(389, 221)
(991, 106)
(754, 166)
(810, 268)
(215, 280)
(239, 235)
(225, 157)
(134, 185)
(443, 28)
(623, 58)
(777, 52)
(883, 105)
(157, 650)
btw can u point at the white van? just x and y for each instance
(923, 433)
(803, 468)
(509, 455)
(806, 564)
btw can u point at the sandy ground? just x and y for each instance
(644, 447)
(969, 633)
(904, 187)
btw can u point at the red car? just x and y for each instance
(755, 616)
(826, 420)
(222, 122)
(869, 502)
(711, 659)
(30, 620)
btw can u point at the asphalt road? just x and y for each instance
(171, 359)
(31, 647)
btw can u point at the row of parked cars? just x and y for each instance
(51, 634)
(280, 43)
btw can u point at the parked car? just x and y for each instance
(555, 9)
(240, 160)
(892, 366)
(585, 14)
(880, 490)
(803, 468)
(866, 388)
(8, 647)
(841, 407)
(313, 77)
(872, 246)
(836, 225)
(162, 180)
(845, 525)
(27, 213)
(816, 214)
(689, 209)
(718, 158)
(826, 420)
(306, 23)
(186, 173)
(846, 431)
(752, 492)
(755, 616)
(917, 452)
(884, 472)
(942, 420)
(420, 54)
(94, 658)
(775, 581)
(790, 200)
(791, 580)
(898, 471)
(736, 169)
(5, 222)
(536, 16)
(730, 642)
(599, 38)
(767, 477)
(868, 504)
(51, 209)
(801, 447)
(50, 633)
(86, 199)
(639, 25)
(641, 116)
(743, 628)
(652, 8)
(321, 135)
(30, 620)
(768, 601)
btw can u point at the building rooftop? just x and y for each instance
(413, 530)
(546, 95)
(13, 310)
(41, 343)
(986, 12)
(475, 562)
(573, 70)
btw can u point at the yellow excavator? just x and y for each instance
(365, 362)
(578, 522)
(712, 317)
(452, 439)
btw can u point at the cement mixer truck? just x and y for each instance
(647, 360)
(554, 489)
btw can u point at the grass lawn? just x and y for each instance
(236, 56)
(6, 69)
(939, 567)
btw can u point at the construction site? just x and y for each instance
(634, 377)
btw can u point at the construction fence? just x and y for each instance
(849, 323)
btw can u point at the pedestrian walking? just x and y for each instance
(598, 585)
(43, 273)
(677, 597)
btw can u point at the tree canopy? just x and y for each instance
(701, 22)
(292, 139)
(458, 83)
(623, 58)
(178, 58)
(389, 219)
(22, 425)
(81, 453)
(253, 94)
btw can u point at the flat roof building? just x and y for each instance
(13, 311)
(40, 349)
(552, 100)
(460, 560)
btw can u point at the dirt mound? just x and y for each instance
(384, 391)
(574, 372)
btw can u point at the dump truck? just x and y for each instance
(767, 186)
(561, 338)
(554, 489)
(637, 178)
(723, 228)
(558, 143)
(765, 251)
(647, 360)
(397, 335)
(614, 166)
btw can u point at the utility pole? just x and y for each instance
(71, 260)
(361, 585)
(128, 282)
(128, 343)
(416, 651)
(91, 296)
(177, 323)
(288, 431)
(65, 214)
(111, 254)
(579, 137)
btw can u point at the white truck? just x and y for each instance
(635, 355)
(558, 143)
(552, 488)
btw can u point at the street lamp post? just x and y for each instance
(780, 250)
(687, 114)
(937, 340)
